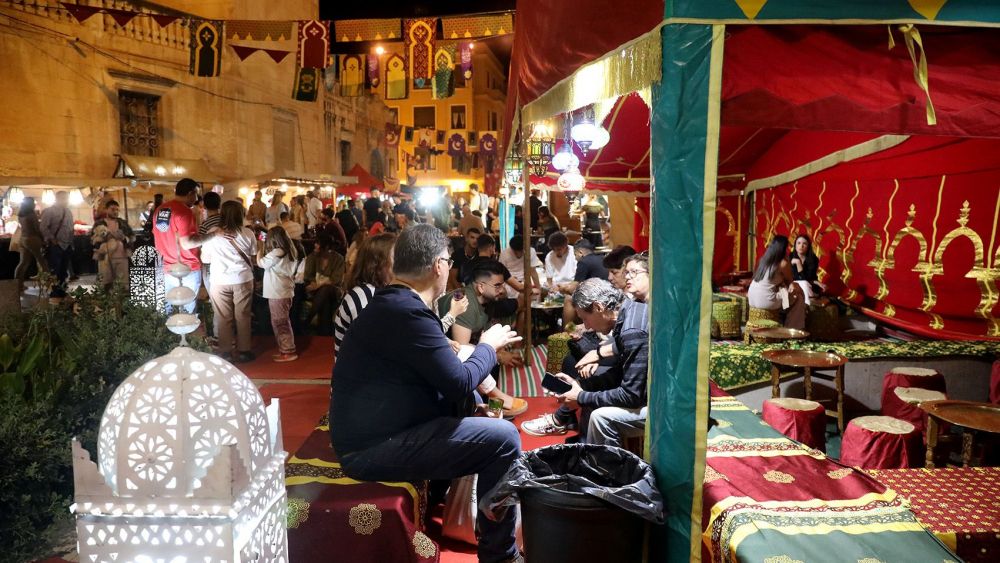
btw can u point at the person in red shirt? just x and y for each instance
(175, 233)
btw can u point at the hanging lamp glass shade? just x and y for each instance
(541, 148)
(571, 180)
(565, 158)
(600, 139)
(512, 167)
(584, 129)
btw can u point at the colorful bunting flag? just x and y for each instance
(121, 17)
(419, 43)
(456, 145)
(366, 30)
(258, 30)
(306, 85)
(79, 11)
(163, 20)
(392, 134)
(465, 55)
(426, 137)
(396, 84)
(444, 81)
(487, 144)
(352, 75)
(243, 52)
(313, 43)
(206, 47)
(477, 26)
(373, 69)
(276, 54)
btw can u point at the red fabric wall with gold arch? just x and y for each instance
(909, 233)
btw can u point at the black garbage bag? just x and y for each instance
(611, 474)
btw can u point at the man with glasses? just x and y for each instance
(392, 411)
(636, 277)
(612, 403)
(615, 264)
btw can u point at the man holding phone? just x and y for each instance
(612, 403)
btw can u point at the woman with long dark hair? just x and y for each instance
(31, 242)
(805, 268)
(372, 270)
(774, 288)
(231, 253)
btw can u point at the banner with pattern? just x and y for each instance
(206, 47)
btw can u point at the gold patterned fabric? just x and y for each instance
(259, 30)
(477, 26)
(367, 30)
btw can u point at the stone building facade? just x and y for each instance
(67, 89)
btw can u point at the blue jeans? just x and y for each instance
(192, 280)
(446, 448)
(609, 426)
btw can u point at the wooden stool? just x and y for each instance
(823, 322)
(557, 350)
(922, 378)
(879, 442)
(760, 318)
(912, 397)
(725, 319)
(801, 420)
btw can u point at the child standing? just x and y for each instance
(280, 260)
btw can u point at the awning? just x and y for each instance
(163, 170)
(362, 185)
(54, 182)
(296, 177)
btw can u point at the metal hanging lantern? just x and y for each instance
(541, 148)
(513, 167)
(584, 130)
(565, 158)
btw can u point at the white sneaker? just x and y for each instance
(545, 425)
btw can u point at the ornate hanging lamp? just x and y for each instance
(513, 166)
(541, 148)
(565, 158)
(571, 180)
(584, 129)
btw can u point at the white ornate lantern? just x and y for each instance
(190, 468)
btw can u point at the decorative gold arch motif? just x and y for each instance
(889, 259)
(732, 232)
(864, 231)
(831, 227)
(985, 277)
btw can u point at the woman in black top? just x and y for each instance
(31, 242)
(805, 265)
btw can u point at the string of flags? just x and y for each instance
(423, 63)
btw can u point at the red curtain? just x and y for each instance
(909, 233)
(841, 78)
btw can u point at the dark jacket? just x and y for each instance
(624, 383)
(384, 385)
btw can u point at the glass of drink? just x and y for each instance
(496, 407)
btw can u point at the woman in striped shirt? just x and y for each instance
(372, 269)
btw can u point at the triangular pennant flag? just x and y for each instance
(751, 8)
(80, 12)
(276, 55)
(927, 8)
(121, 17)
(164, 20)
(244, 52)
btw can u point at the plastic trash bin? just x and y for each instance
(579, 502)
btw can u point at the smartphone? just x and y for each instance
(262, 236)
(554, 384)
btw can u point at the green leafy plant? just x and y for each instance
(59, 366)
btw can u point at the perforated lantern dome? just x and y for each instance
(190, 461)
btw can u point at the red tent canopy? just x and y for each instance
(364, 184)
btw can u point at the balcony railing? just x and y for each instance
(140, 28)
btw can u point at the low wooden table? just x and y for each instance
(970, 415)
(807, 361)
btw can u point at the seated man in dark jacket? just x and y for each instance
(392, 404)
(612, 402)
